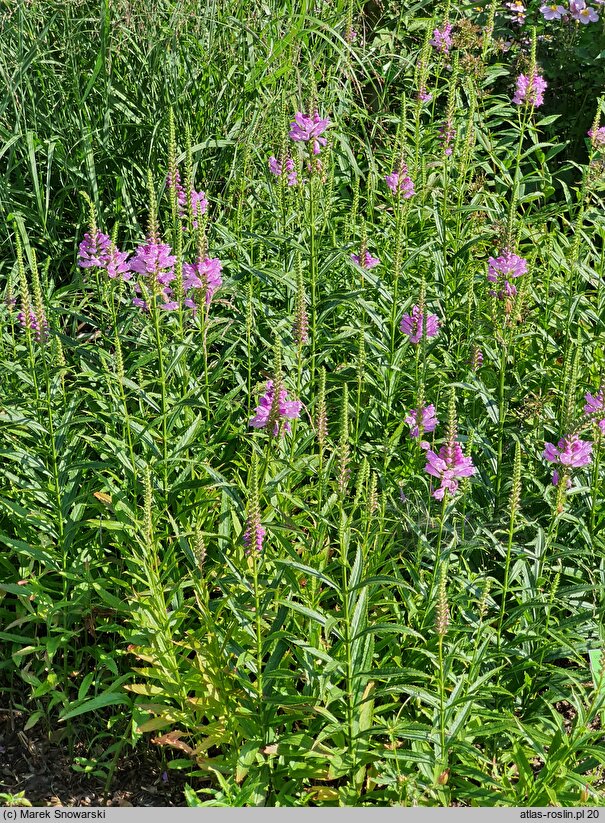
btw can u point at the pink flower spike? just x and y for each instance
(305, 128)
(288, 409)
(449, 466)
(423, 418)
(414, 326)
(369, 262)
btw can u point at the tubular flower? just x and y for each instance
(305, 128)
(423, 419)
(203, 274)
(442, 39)
(500, 268)
(414, 325)
(116, 263)
(595, 404)
(570, 452)
(92, 251)
(400, 182)
(368, 261)
(156, 259)
(288, 409)
(530, 90)
(449, 466)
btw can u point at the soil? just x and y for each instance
(35, 763)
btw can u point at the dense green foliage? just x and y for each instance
(384, 647)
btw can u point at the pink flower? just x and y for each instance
(442, 39)
(424, 96)
(423, 418)
(116, 264)
(288, 409)
(156, 259)
(594, 405)
(500, 268)
(414, 325)
(254, 534)
(92, 251)
(530, 92)
(582, 13)
(597, 136)
(369, 262)
(569, 451)
(400, 182)
(275, 167)
(305, 128)
(552, 12)
(448, 466)
(205, 274)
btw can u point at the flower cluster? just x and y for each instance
(400, 182)
(518, 11)
(530, 90)
(196, 199)
(275, 167)
(578, 10)
(442, 39)
(449, 466)
(570, 452)
(288, 409)
(254, 535)
(38, 325)
(305, 128)
(597, 137)
(415, 325)
(594, 405)
(423, 419)
(205, 274)
(447, 133)
(93, 250)
(500, 269)
(154, 262)
(365, 260)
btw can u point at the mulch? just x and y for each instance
(39, 764)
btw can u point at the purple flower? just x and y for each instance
(254, 534)
(412, 325)
(305, 128)
(424, 96)
(40, 329)
(518, 9)
(442, 39)
(500, 268)
(476, 358)
(400, 182)
(423, 419)
(92, 251)
(583, 13)
(570, 451)
(594, 405)
(203, 274)
(449, 466)
(116, 264)
(446, 134)
(530, 92)
(597, 136)
(552, 12)
(155, 259)
(275, 167)
(369, 262)
(197, 199)
(288, 409)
